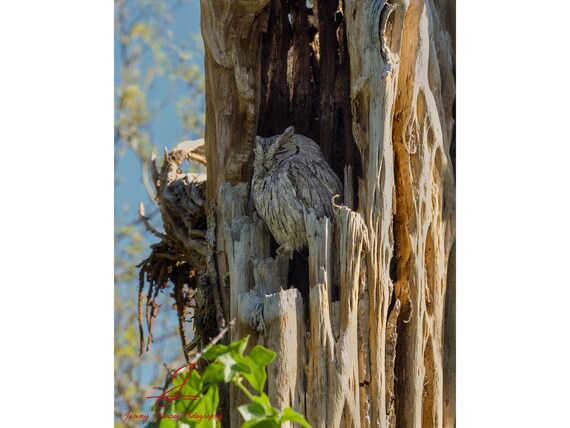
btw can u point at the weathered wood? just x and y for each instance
(372, 345)
(244, 241)
(425, 212)
(285, 334)
(232, 39)
(373, 31)
(321, 381)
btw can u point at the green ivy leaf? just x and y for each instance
(242, 368)
(167, 423)
(262, 356)
(239, 346)
(206, 405)
(257, 375)
(258, 359)
(263, 399)
(195, 382)
(214, 373)
(214, 351)
(185, 384)
(290, 415)
(181, 406)
(251, 411)
(235, 349)
(228, 362)
(261, 423)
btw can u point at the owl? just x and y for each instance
(290, 175)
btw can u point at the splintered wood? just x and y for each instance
(372, 343)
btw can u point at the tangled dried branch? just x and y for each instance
(181, 253)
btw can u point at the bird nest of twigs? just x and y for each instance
(178, 260)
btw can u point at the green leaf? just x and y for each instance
(194, 382)
(214, 351)
(290, 415)
(214, 373)
(242, 367)
(234, 349)
(261, 423)
(180, 406)
(206, 405)
(258, 359)
(228, 362)
(167, 423)
(262, 356)
(257, 376)
(251, 411)
(263, 399)
(239, 346)
(187, 383)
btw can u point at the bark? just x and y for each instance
(373, 342)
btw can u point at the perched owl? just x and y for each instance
(289, 174)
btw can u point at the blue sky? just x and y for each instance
(166, 130)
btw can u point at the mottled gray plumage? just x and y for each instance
(289, 175)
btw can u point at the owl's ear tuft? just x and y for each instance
(285, 143)
(286, 139)
(289, 132)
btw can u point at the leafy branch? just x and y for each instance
(228, 364)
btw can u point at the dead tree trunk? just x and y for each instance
(372, 344)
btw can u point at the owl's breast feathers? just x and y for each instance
(315, 184)
(276, 202)
(282, 196)
(291, 176)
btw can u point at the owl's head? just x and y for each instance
(271, 152)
